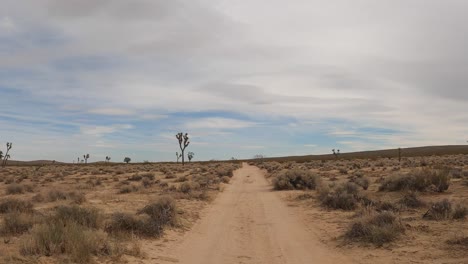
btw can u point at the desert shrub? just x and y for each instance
(88, 217)
(15, 188)
(182, 179)
(69, 238)
(411, 200)
(54, 195)
(16, 223)
(77, 198)
(225, 179)
(460, 212)
(418, 180)
(149, 175)
(460, 241)
(295, 179)
(128, 189)
(136, 177)
(440, 179)
(439, 211)
(363, 182)
(225, 171)
(162, 211)
(343, 197)
(126, 223)
(15, 205)
(146, 183)
(187, 187)
(376, 228)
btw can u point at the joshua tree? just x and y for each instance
(183, 143)
(190, 156)
(399, 155)
(108, 158)
(336, 153)
(127, 160)
(178, 156)
(6, 156)
(86, 157)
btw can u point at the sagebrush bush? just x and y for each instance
(418, 180)
(460, 212)
(57, 238)
(16, 223)
(411, 200)
(344, 196)
(88, 217)
(163, 211)
(187, 187)
(376, 228)
(439, 210)
(296, 179)
(15, 205)
(15, 188)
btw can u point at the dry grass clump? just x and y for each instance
(57, 238)
(15, 206)
(16, 223)
(375, 228)
(439, 211)
(460, 212)
(188, 187)
(15, 188)
(128, 189)
(157, 215)
(411, 200)
(459, 241)
(418, 180)
(88, 217)
(344, 196)
(296, 179)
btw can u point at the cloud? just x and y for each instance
(218, 123)
(280, 71)
(102, 130)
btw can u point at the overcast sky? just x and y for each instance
(121, 78)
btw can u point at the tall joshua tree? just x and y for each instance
(6, 156)
(336, 153)
(108, 158)
(183, 143)
(86, 157)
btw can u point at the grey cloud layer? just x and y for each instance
(397, 64)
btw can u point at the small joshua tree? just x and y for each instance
(183, 143)
(178, 156)
(336, 153)
(108, 158)
(86, 157)
(127, 160)
(6, 156)
(190, 156)
(399, 155)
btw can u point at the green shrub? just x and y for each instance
(377, 228)
(295, 179)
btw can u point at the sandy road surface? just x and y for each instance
(248, 223)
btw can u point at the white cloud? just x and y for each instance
(102, 130)
(218, 123)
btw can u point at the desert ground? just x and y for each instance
(353, 210)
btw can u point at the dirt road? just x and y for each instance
(249, 223)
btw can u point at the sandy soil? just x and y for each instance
(248, 223)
